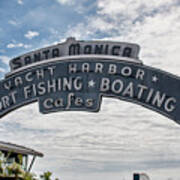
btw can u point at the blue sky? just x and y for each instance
(27, 25)
(122, 138)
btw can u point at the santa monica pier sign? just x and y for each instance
(74, 75)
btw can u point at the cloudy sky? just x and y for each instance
(123, 137)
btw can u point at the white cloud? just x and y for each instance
(121, 133)
(122, 15)
(18, 45)
(13, 22)
(79, 6)
(99, 23)
(65, 2)
(130, 8)
(106, 141)
(12, 45)
(79, 31)
(31, 34)
(20, 2)
(5, 59)
(2, 70)
(155, 26)
(27, 46)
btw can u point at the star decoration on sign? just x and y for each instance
(154, 79)
(91, 83)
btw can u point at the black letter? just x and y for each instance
(15, 63)
(127, 52)
(106, 49)
(87, 49)
(55, 53)
(37, 57)
(27, 60)
(98, 49)
(115, 50)
(46, 54)
(74, 49)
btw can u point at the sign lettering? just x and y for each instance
(72, 47)
(79, 84)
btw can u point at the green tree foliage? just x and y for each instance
(16, 171)
(46, 176)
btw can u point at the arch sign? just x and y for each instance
(74, 75)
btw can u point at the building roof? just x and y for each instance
(4, 146)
